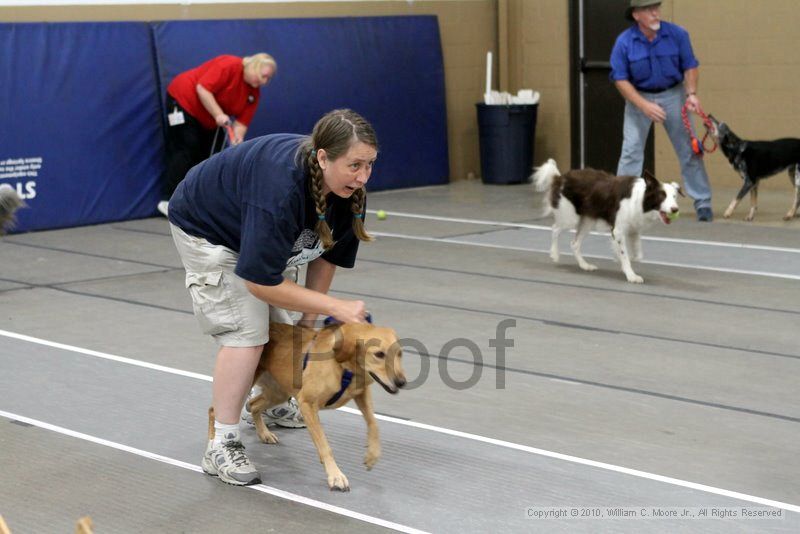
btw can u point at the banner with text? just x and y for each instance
(80, 136)
(389, 69)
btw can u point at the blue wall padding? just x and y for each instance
(389, 69)
(84, 98)
(87, 99)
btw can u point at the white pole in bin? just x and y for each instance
(487, 96)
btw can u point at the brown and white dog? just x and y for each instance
(313, 366)
(582, 199)
(10, 202)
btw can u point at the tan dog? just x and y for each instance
(370, 353)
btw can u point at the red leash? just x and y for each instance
(698, 147)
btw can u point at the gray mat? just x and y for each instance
(425, 480)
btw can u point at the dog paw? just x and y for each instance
(268, 437)
(588, 266)
(727, 214)
(554, 257)
(787, 217)
(635, 279)
(371, 458)
(338, 482)
(749, 218)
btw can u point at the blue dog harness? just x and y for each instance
(347, 375)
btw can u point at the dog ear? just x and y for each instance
(678, 188)
(649, 175)
(344, 345)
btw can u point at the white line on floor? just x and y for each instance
(548, 229)
(460, 241)
(591, 463)
(423, 426)
(196, 468)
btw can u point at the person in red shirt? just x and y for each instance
(221, 91)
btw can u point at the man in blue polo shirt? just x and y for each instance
(654, 68)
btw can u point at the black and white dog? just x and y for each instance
(754, 160)
(580, 199)
(10, 202)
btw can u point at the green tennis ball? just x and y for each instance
(381, 215)
(673, 216)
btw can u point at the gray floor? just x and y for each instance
(689, 380)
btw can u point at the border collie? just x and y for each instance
(580, 199)
(754, 160)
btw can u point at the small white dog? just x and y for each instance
(580, 199)
(10, 202)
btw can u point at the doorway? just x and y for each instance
(596, 106)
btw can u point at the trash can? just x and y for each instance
(506, 134)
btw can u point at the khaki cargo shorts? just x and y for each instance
(223, 306)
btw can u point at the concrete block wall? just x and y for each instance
(539, 59)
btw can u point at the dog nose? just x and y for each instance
(399, 382)
(675, 209)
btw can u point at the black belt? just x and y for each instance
(657, 90)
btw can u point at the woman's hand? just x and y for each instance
(222, 119)
(350, 311)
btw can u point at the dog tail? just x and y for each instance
(544, 174)
(10, 202)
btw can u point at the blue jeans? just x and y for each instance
(635, 131)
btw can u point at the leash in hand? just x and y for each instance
(227, 140)
(698, 147)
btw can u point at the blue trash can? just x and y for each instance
(506, 134)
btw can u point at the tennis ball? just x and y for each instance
(381, 215)
(673, 216)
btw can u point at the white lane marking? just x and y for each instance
(460, 241)
(196, 468)
(591, 463)
(549, 228)
(441, 430)
(105, 356)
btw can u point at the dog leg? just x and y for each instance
(793, 211)
(730, 208)
(364, 403)
(753, 203)
(618, 244)
(336, 479)
(584, 227)
(794, 177)
(211, 430)
(634, 244)
(554, 243)
(739, 196)
(257, 405)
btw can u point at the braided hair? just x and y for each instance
(335, 133)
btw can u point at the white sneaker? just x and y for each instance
(286, 415)
(229, 462)
(163, 207)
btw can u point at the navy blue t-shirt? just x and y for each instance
(254, 198)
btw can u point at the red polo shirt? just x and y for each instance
(223, 76)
